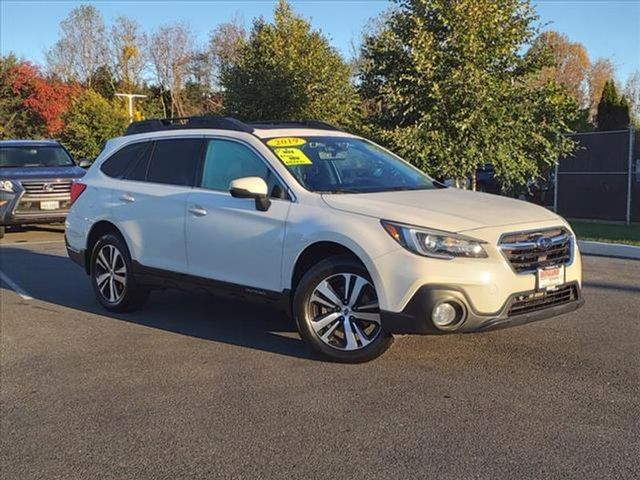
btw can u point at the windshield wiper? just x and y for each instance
(345, 190)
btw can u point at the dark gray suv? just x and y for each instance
(35, 182)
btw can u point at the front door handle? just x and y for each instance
(198, 211)
(126, 197)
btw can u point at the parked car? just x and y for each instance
(356, 243)
(35, 182)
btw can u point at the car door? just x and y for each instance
(228, 239)
(149, 203)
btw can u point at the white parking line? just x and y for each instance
(15, 287)
(32, 243)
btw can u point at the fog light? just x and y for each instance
(444, 315)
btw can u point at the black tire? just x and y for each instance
(307, 313)
(129, 295)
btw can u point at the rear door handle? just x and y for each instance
(198, 211)
(127, 198)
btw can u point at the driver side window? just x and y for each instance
(227, 160)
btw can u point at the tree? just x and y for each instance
(286, 70)
(127, 45)
(613, 110)
(82, 47)
(600, 73)
(90, 122)
(170, 51)
(15, 120)
(225, 46)
(447, 85)
(570, 64)
(38, 103)
(632, 93)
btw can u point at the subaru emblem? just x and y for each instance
(543, 243)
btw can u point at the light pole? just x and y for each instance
(130, 96)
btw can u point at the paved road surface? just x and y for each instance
(199, 388)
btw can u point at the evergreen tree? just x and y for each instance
(613, 110)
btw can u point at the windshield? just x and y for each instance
(24, 157)
(346, 165)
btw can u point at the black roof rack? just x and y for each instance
(317, 124)
(181, 123)
(220, 123)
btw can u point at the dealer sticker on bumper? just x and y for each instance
(550, 278)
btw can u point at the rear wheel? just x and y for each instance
(337, 312)
(111, 276)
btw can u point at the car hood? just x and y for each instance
(40, 173)
(448, 209)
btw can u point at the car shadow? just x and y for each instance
(53, 228)
(259, 326)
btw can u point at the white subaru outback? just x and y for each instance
(356, 243)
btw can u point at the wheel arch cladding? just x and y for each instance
(315, 253)
(98, 230)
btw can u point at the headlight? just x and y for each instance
(6, 185)
(434, 243)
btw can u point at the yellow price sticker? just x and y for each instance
(286, 142)
(292, 157)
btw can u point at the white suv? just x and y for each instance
(356, 243)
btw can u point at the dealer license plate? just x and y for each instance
(550, 278)
(50, 205)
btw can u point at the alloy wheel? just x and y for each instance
(110, 273)
(344, 311)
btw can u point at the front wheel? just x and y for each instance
(336, 309)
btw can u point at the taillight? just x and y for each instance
(76, 190)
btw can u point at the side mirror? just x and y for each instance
(251, 187)
(84, 163)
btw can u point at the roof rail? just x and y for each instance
(317, 124)
(182, 123)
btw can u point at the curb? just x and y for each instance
(609, 249)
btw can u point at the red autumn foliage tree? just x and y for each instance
(47, 99)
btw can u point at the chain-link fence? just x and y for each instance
(601, 180)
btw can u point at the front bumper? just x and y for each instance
(18, 209)
(415, 318)
(410, 286)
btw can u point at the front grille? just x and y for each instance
(528, 251)
(43, 187)
(541, 300)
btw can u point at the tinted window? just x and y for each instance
(120, 161)
(34, 156)
(175, 162)
(226, 161)
(138, 171)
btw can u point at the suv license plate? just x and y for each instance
(50, 205)
(550, 278)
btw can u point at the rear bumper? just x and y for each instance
(416, 316)
(76, 256)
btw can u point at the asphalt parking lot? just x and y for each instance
(201, 388)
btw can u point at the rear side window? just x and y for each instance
(175, 162)
(138, 171)
(124, 158)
